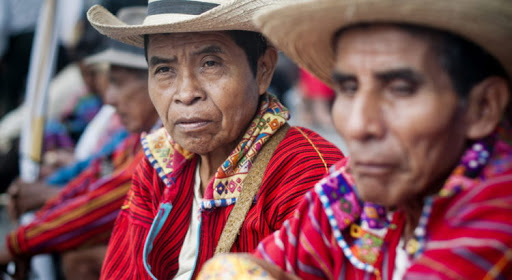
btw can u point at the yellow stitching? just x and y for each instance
(314, 147)
(498, 267)
(14, 243)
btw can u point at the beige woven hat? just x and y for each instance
(304, 31)
(170, 16)
(121, 54)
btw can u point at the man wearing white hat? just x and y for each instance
(422, 88)
(227, 170)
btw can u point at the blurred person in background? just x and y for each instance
(78, 220)
(74, 99)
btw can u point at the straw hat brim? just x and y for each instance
(235, 15)
(305, 31)
(118, 58)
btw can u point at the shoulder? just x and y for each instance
(487, 199)
(300, 160)
(303, 145)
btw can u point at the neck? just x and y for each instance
(414, 207)
(412, 213)
(209, 163)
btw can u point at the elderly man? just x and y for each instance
(422, 92)
(82, 215)
(227, 170)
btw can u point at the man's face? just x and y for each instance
(128, 93)
(398, 113)
(203, 89)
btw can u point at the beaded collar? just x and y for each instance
(368, 223)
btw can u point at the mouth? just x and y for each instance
(372, 168)
(192, 124)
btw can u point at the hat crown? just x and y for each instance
(175, 16)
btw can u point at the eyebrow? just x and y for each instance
(401, 73)
(385, 76)
(340, 77)
(160, 60)
(212, 49)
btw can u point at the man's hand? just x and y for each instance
(5, 256)
(55, 159)
(22, 264)
(28, 196)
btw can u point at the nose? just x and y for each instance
(189, 89)
(366, 119)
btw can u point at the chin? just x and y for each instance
(376, 194)
(194, 146)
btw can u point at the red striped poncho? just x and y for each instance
(84, 212)
(468, 235)
(301, 159)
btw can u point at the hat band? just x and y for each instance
(179, 7)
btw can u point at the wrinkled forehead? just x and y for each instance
(424, 34)
(380, 48)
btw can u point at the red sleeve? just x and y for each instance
(83, 213)
(74, 188)
(124, 254)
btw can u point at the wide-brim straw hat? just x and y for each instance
(172, 16)
(118, 53)
(305, 30)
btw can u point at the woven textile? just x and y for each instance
(84, 212)
(468, 233)
(157, 209)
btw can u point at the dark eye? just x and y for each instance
(162, 69)
(347, 88)
(402, 88)
(113, 81)
(210, 63)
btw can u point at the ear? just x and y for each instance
(266, 66)
(486, 105)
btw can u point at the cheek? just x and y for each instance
(161, 103)
(238, 104)
(431, 142)
(340, 112)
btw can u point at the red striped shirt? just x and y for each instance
(84, 212)
(300, 160)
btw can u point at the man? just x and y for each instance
(83, 213)
(422, 92)
(205, 185)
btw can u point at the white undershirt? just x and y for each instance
(188, 251)
(401, 261)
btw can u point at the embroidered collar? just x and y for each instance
(168, 157)
(368, 223)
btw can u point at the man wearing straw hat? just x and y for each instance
(78, 221)
(227, 170)
(422, 95)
